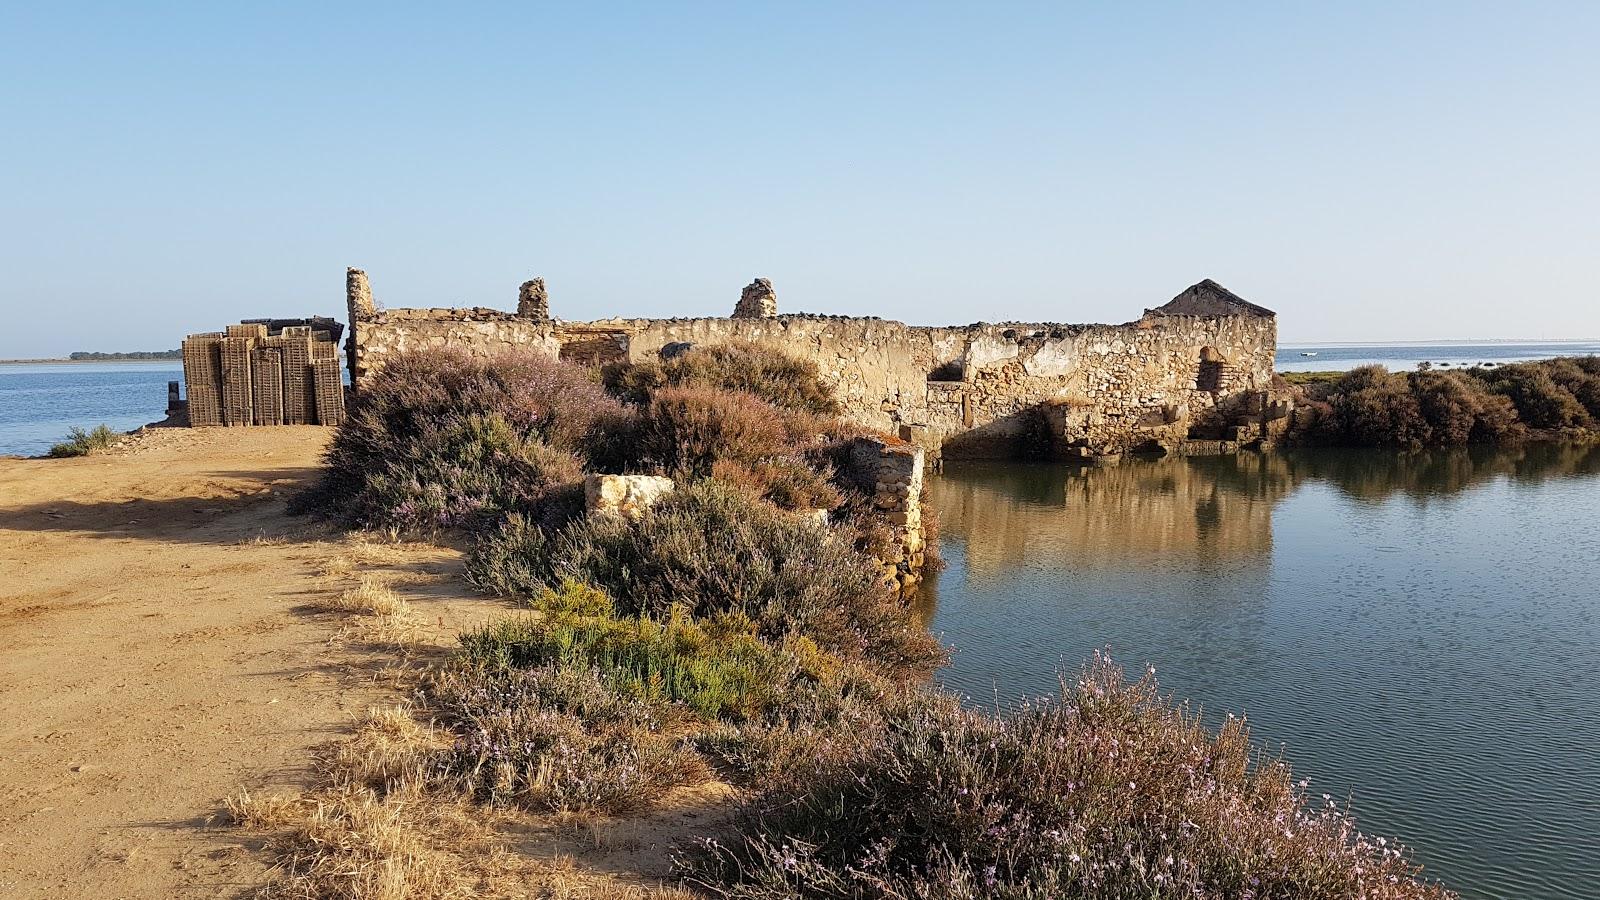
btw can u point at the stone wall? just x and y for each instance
(980, 389)
(892, 472)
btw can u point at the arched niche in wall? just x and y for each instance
(1212, 366)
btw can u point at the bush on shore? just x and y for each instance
(1540, 401)
(709, 548)
(775, 377)
(83, 443)
(1110, 792)
(446, 440)
(1372, 407)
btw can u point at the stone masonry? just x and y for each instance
(757, 301)
(974, 390)
(533, 302)
(627, 496)
(894, 471)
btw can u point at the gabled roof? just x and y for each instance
(1211, 299)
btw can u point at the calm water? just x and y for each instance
(1396, 357)
(39, 402)
(1422, 633)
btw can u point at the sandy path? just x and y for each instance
(154, 660)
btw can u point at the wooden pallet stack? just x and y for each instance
(329, 388)
(299, 401)
(269, 383)
(202, 375)
(250, 376)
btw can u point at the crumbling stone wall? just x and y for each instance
(977, 389)
(533, 301)
(895, 475)
(757, 301)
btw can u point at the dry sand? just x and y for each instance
(166, 645)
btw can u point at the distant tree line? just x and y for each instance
(137, 354)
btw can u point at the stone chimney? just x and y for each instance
(758, 301)
(358, 296)
(532, 301)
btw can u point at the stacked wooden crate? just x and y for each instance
(248, 376)
(269, 382)
(329, 389)
(299, 401)
(237, 352)
(202, 375)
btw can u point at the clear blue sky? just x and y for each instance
(1373, 171)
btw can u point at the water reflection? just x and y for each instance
(1422, 628)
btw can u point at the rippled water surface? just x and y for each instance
(1422, 634)
(40, 401)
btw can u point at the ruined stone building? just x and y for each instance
(1193, 375)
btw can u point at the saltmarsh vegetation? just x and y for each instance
(730, 632)
(82, 443)
(1428, 408)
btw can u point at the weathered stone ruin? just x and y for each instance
(268, 371)
(532, 301)
(892, 472)
(627, 496)
(1192, 376)
(757, 301)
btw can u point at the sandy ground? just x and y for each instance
(154, 660)
(167, 644)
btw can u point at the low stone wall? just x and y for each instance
(894, 474)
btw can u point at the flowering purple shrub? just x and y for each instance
(445, 440)
(1108, 792)
(556, 738)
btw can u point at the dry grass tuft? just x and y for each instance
(352, 843)
(373, 597)
(391, 751)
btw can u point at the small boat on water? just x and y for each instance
(1309, 353)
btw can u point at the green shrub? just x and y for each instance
(443, 440)
(771, 375)
(1580, 382)
(710, 549)
(715, 667)
(1111, 792)
(1371, 407)
(1540, 401)
(83, 443)
(767, 709)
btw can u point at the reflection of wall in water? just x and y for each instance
(1206, 512)
(1198, 511)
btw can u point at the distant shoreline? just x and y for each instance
(1474, 342)
(83, 362)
